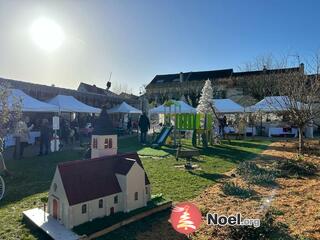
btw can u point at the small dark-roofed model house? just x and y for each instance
(105, 184)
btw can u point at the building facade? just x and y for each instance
(242, 87)
(89, 94)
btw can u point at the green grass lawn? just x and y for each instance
(31, 177)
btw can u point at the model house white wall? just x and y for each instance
(103, 145)
(58, 195)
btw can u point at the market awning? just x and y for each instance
(71, 104)
(124, 108)
(28, 103)
(175, 107)
(274, 104)
(227, 106)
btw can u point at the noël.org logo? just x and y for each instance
(186, 218)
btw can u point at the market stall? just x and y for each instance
(124, 114)
(271, 122)
(28, 105)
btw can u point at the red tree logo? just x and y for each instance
(185, 218)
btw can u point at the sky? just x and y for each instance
(138, 39)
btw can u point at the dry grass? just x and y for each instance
(295, 201)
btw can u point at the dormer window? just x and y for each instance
(95, 143)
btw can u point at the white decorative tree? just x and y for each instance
(206, 107)
(206, 99)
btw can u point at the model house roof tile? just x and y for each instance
(86, 180)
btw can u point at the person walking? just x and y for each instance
(144, 125)
(45, 134)
(129, 126)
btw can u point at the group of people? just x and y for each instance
(68, 133)
(22, 136)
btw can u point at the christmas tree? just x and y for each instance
(185, 222)
(206, 99)
(206, 107)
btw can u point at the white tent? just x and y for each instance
(176, 107)
(273, 104)
(28, 103)
(227, 106)
(70, 104)
(124, 108)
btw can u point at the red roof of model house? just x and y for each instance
(85, 180)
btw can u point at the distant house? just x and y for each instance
(103, 185)
(237, 86)
(45, 92)
(87, 88)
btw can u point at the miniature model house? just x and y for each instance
(108, 183)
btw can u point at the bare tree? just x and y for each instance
(299, 97)
(9, 115)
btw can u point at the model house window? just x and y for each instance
(108, 143)
(136, 196)
(95, 143)
(84, 208)
(101, 203)
(115, 200)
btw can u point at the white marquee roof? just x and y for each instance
(28, 103)
(177, 107)
(124, 108)
(71, 104)
(227, 106)
(273, 104)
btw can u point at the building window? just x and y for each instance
(136, 196)
(110, 142)
(115, 200)
(147, 190)
(84, 208)
(95, 143)
(101, 203)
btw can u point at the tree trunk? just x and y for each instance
(301, 142)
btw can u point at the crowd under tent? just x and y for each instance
(175, 107)
(72, 105)
(125, 108)
(227, 106)
(28, 103)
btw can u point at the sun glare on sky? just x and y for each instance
(47, 34)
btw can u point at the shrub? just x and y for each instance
(268, 230)
(254, 174)
(267, 178)
(297, 168)
(230, 188)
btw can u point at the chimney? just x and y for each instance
(181, 76)
(301, 68)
